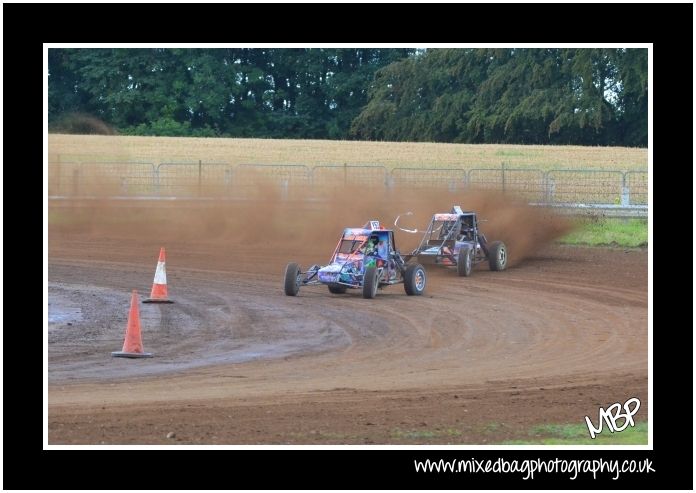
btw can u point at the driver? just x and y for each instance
(446, 228)
(382, 249)
(376, 251)
(466, 230)
(370, 248)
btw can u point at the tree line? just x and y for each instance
(530, 96)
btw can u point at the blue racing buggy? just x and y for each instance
(365, 258)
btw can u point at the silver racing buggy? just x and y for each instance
(366, 259)
(453, 239)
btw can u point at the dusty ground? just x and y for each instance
(476, 360)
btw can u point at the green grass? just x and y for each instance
(424, 434)
(548, 434)
(577, 434)
(609, 232)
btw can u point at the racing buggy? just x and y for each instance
(365, 258)
(453, 239)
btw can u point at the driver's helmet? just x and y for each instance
(374, 239)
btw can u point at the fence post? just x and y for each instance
(550, 188)
(158, 189)
(625, 192)
(502, 166)
(200, 176)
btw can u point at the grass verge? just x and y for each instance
(577, 434)
(630, 233)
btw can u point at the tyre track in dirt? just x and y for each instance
(498, 319)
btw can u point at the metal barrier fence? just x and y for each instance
(265, 180)
(193, 179)
(593, 187)
(635, 186)
(336, 176)
(527, 183)
(452, 178)
(77, 178)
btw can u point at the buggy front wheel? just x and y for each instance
(464, 262)
(292, 279)
(370, 282)
(497, 255)
(414, 280)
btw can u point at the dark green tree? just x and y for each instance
(296, 93)
(531, 96)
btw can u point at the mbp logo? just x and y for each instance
(612, 415)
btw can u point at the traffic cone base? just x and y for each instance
(156, 300)
(123, 354)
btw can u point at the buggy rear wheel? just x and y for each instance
(292, 279)
(414, 280)
(370, 283)
(497, 255)
(337, 288)
(464, 262)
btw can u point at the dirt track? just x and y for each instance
(476, 360)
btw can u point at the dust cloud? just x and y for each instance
(281, 223)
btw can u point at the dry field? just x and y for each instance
(315, 152)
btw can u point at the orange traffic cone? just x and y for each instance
(133, 343)
(159, 285)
